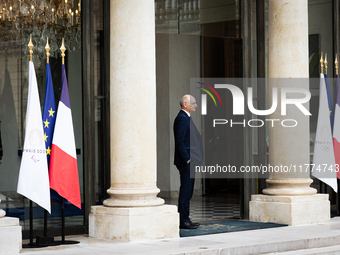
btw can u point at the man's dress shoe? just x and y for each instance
(188, 225)
(195, 223)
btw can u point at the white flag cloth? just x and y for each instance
(33, 180)
(323, 166)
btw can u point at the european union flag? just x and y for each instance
(330, 103)
(49, 117)
(49, 113)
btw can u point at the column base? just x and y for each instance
(134, 224)
(289, 187)
(10, 236)
(291, 210)
(133, 197)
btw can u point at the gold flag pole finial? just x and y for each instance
(62, 49)
(336, 64)
(30, 46)
(326, 63)
(321, 62)
(47, 48)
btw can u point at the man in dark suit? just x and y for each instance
(188, 154)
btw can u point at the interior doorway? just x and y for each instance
(222, 58)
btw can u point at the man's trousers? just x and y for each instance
(185, 192)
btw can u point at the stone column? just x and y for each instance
(10, 234)
(2, 213)
(133, 212)
(289, 195)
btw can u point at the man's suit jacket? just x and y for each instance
(185, 132)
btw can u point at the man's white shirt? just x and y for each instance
(186, 112)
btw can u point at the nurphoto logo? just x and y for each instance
(239, 103)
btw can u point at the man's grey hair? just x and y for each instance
(183, 100)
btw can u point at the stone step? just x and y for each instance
(330, 250)
(316, 239)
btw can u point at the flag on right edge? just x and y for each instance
(324, 160)
(336, 127)
(63, 165)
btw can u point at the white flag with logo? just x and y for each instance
(33, 180)
(323, 166)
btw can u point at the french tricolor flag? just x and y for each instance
(336, 127)
(63, 163)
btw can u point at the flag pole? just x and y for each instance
(326, 64)
(337, 88)
(31, 224)
(63, 49)
(31, 244)
(321, 64)
(44, 241)
(47, 48)
(63, 222)
(326, 68)
(336, 65)
(30, 46)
